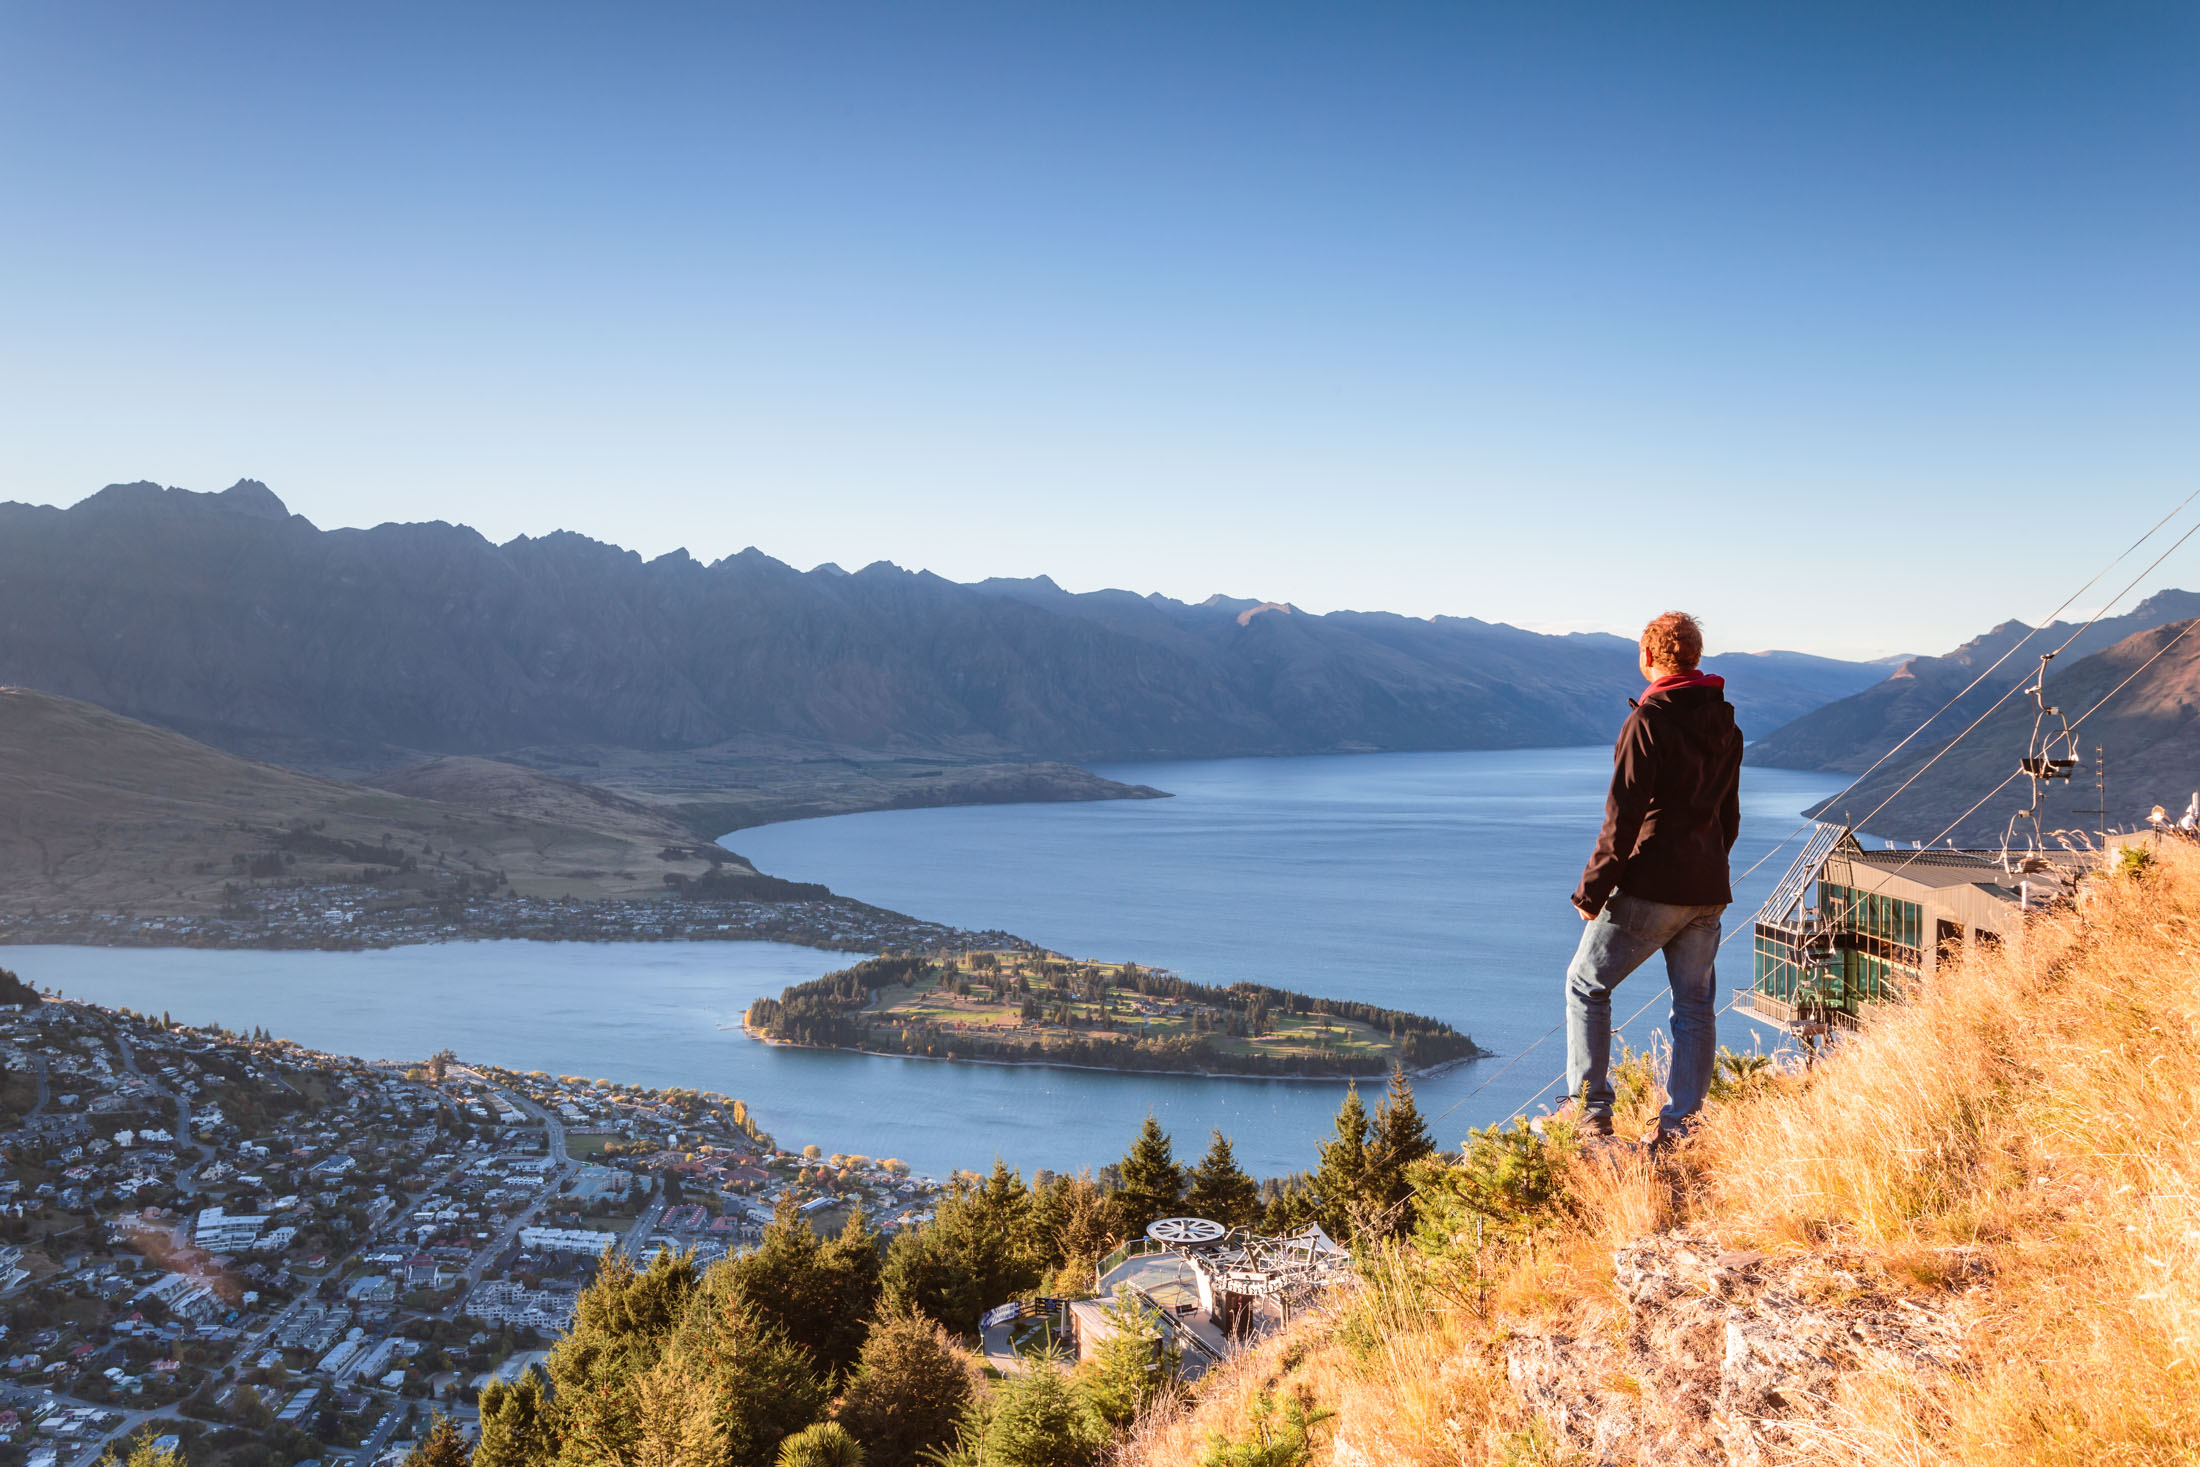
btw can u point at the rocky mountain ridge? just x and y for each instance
(228, 618)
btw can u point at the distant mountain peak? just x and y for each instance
(1245, 617)
(1029, 588)
(250, 496)
(245, 497)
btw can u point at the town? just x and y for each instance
(239, 1247)
(349, 917)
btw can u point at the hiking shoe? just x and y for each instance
(1661, 1140)
(1571, 1113)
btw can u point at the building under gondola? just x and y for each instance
(1847, 927)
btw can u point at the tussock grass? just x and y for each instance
(2015, 1147)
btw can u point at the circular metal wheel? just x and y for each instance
(1185, 1232)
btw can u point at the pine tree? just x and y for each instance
(1401, 1139)
(1288, 1207)
(515, 1429)
(909, 1390)
(1340, 1183)
(1133, 1365)
(975, 1253)
(1152, 1181)
(1077, 1224)
(1038, 1419)
(1221, 1190)
(676, 1426)
(1007, 1206)
(816, 1294)
(442, 1447)
(753, 1386)
(621, 1318)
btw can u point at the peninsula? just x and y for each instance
(1025, 1006)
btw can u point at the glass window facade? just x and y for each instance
(1876, 951)
(1779, 970)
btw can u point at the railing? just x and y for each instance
(1782, 1012)
(1124, 1253)
(1187, 1342)
(1016, 1311)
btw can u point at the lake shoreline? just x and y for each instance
(345, 919)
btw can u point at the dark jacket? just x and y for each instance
(1675, 806)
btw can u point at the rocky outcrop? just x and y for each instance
(1723, 1357)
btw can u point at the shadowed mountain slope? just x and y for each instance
(1845, 736)
(2149, 733)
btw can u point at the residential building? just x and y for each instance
(220, 1232)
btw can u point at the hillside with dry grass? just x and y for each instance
(1971, 1235)
(98, 811)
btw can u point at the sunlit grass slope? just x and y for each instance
(1972, 1235)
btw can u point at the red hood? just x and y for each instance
(1693, 678)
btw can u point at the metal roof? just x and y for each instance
(1805, 870)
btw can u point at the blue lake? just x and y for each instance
(1431, 882)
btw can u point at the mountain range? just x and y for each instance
(228, 618)
(459, 675)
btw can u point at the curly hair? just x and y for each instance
(1673, 640)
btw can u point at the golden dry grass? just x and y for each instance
(2016, 1146)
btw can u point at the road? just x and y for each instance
(637, 1237)
(131, 1421)
(384, 1429)
(999, 1348)
(554, 1133)
(186, 1180)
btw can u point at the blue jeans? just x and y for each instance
(1617, 941)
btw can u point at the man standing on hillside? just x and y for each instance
(1657, 881)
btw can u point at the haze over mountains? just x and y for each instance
(228, 618)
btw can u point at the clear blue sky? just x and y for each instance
(1853, 328)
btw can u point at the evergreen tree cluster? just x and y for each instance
(817, 1012)
(852, 1351)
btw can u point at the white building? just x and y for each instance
(218, 1232)
(567, 1240)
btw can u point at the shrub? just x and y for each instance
(1284, 1442)
(827, 1444)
